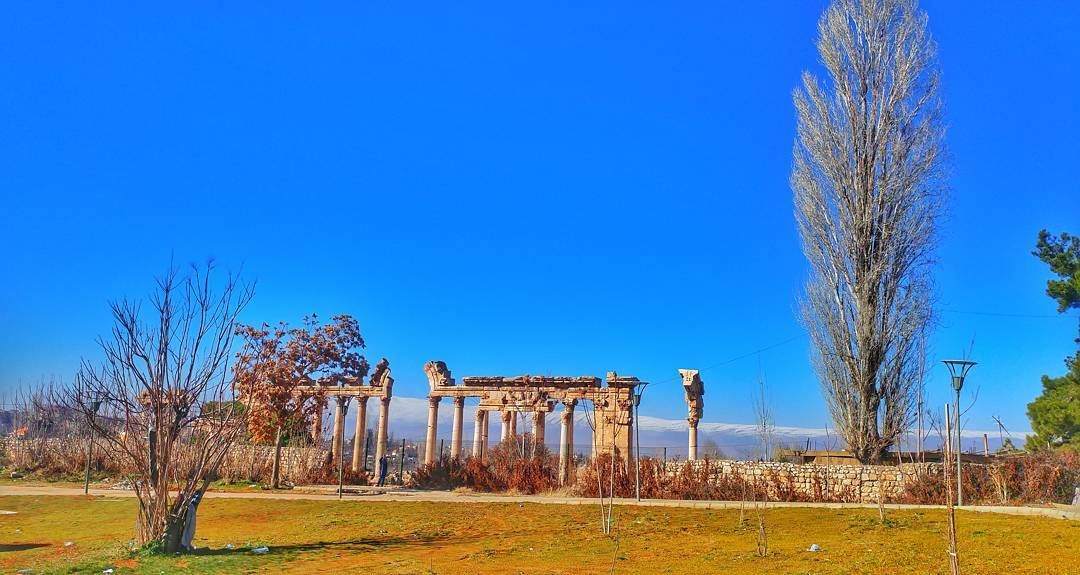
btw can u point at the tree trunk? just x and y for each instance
(275, 475)
(174, 531)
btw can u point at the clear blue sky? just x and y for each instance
(568, 189)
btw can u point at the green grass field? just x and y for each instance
(480, 538)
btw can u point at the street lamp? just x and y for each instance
(637, 440)
(958, 369)
(96, 405)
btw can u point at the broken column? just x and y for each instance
(359, 435)
(694, 389)
(432, 429)
(455, 434)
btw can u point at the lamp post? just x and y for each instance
(637, 440)
(958, 369)
(339, 429)
(96, 404)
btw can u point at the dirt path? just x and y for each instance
(375, 494)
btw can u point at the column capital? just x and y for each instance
(480, 414)
(433, 401)
(506, 415)
(385, 401)
(459, 401)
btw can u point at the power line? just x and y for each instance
(742, 356)
(1004, 314)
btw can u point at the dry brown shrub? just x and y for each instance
(505, 469)
(1035, 478)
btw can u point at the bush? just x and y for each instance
(1035, 478)
(505, 469)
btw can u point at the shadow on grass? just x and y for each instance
(364, 544)
(21, 547)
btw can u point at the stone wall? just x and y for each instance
(254, 462)
(813, 482)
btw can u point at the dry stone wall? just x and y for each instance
(813, 482)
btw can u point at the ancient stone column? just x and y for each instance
(484, 435)
(505, 431)
(380, 436)
(513, 425)
(316, 426)
(340, 402)
(538, 428)
(478, 434)
(566, 438)
(694, 390)
(692, 453)
(570, 468)
(360, 434)
(432, 429)
(455, 436)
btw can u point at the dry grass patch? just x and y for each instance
(483, 538)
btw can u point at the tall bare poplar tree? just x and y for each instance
(868, 194)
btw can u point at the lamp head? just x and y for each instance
(958, 369)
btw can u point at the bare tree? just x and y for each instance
(868, 192)
(167, 405)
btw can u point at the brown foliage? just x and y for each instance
(505, 469)
(275, 362)
(699, 483)
(1041, 477)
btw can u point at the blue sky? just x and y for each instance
(564, 190)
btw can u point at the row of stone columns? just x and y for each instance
(508, 431)
(360, 432)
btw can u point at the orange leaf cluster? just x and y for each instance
(277, 368)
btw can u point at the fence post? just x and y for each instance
(367, 442)
(401, 464)
(665, 459)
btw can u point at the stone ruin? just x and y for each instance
(694, 390)
(610, 414)
(611, 402)
(379, 385)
